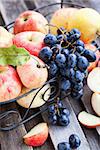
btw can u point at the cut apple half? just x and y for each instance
(37, 135)
(88, 120)
(95, 101)
(38, 100)
(93, 80)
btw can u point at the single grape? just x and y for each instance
(60, 60)
(50, 39)
(76, 31)
(74, 37)
(70, 73)
(63, 146)
(65, 111)
(74, 141)
(53, 70)
(65, 52)
(51, 109)
(82, 63)
(79, 76)
(77, 94)
(65, 84)
(79, 43)
(60, 38)
(90, 55)
(59, 104)
(63, 71)
(72, 60)
(45, 54)
(63, 120)
(53, 119)
(79, 49)
(77, 86)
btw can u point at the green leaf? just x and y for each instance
(13, 56)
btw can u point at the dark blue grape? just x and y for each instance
(60, 38)
(82, 63)
(63, 120)
(51, 109)
(74, 37)
(65, 111)
(79, 49)
(76, 31)
(70, 73)
(63, 71)
(50, 39)
(65, 52)
(79, 43)
(53, 119)
(65, 85)
(59, 104)
(79, 76)
(77, 86)
(90, 55)
(60, 60)
(72, 60)
(53, 70)
(74, 141)
(63, 146)
(77, 94)
(45, 54)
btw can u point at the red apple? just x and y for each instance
(10, 85)
(31, 75)
(31, 41)
(88, 120)
(5, 38)
(95, 101)
(37, 136)
(93, 80)
(30, 21)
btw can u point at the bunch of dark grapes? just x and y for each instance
(58, 114)
(68, 59)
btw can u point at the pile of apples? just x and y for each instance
(29, 31)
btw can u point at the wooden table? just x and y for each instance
(12, 140)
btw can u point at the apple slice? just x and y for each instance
(93, 80)
(37, 135)
(88, 120)
(95, 101)
(38, 101)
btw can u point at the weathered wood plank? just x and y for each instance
(11, 9)
(60, 134)
(12, 139)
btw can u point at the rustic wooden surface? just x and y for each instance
(12, 140)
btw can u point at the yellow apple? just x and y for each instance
(87, 20)
(61, 18)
